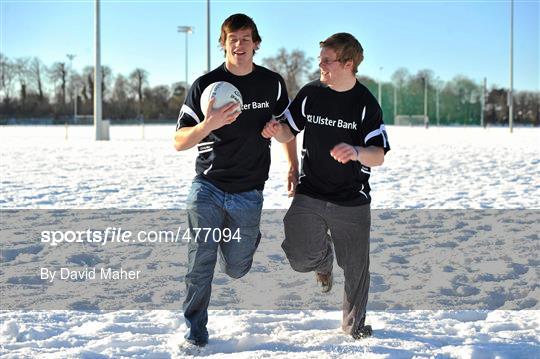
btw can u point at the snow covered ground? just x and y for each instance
(450, 167)
(271, 334)
(439, 168)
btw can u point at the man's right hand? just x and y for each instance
(225, 115)
(292, 181)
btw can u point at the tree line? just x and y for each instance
(31, 89)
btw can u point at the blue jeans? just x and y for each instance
(210, 207)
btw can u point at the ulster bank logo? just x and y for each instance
(325, 121)
(255, 105)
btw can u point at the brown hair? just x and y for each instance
(238, 22)
(346, 47)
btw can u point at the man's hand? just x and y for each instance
(271, 128)
(225, 115)
(278, 130)
(292, 181)
(344, 153)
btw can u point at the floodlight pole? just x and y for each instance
(482, 119)
(395, 101)
(380, 86)
(187, 30)
(510, 93)
(73, 92)
(208, 35)
(98, 123)
(187, 81)
(437, 109)
(425, 102)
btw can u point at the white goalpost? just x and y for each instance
(411, 120)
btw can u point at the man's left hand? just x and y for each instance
(271, 128)
(344, 153)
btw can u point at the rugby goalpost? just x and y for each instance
(414, 120)
(411, 120)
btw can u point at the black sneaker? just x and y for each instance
(362, 332)
(325, 280)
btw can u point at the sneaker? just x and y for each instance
(325, 280)
(197, 342)
(190, 348)
(362, 332)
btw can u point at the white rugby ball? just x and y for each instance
(224, 92)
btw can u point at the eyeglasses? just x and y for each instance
(326, 61)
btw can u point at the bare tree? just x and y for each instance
(75, 85)
(58, 73)
(497, 105)
(7, 76)
(527, 107)
(314, 75)
(425, 74)
(294, 67)
(36, 73)
(400, 76)
(137, 80)
(120, 89)
(156, 101)
(22, 72)
(399, 79)
(468, 94)
(121, 104)
(88, 81)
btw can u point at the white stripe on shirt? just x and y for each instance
(363, 114)
(288, 115)
(304, 107)
(185, 108)
(376, 132)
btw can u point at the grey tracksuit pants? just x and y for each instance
(311, 227)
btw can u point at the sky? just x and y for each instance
(470, 38)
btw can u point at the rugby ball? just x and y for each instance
(224, 92)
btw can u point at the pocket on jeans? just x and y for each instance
(254, 198)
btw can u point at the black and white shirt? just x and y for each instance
(329, 118)
(235, 157)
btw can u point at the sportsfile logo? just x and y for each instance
(319, 120)
(118, 235)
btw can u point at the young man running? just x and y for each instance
(344, 136)
(232, 166)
